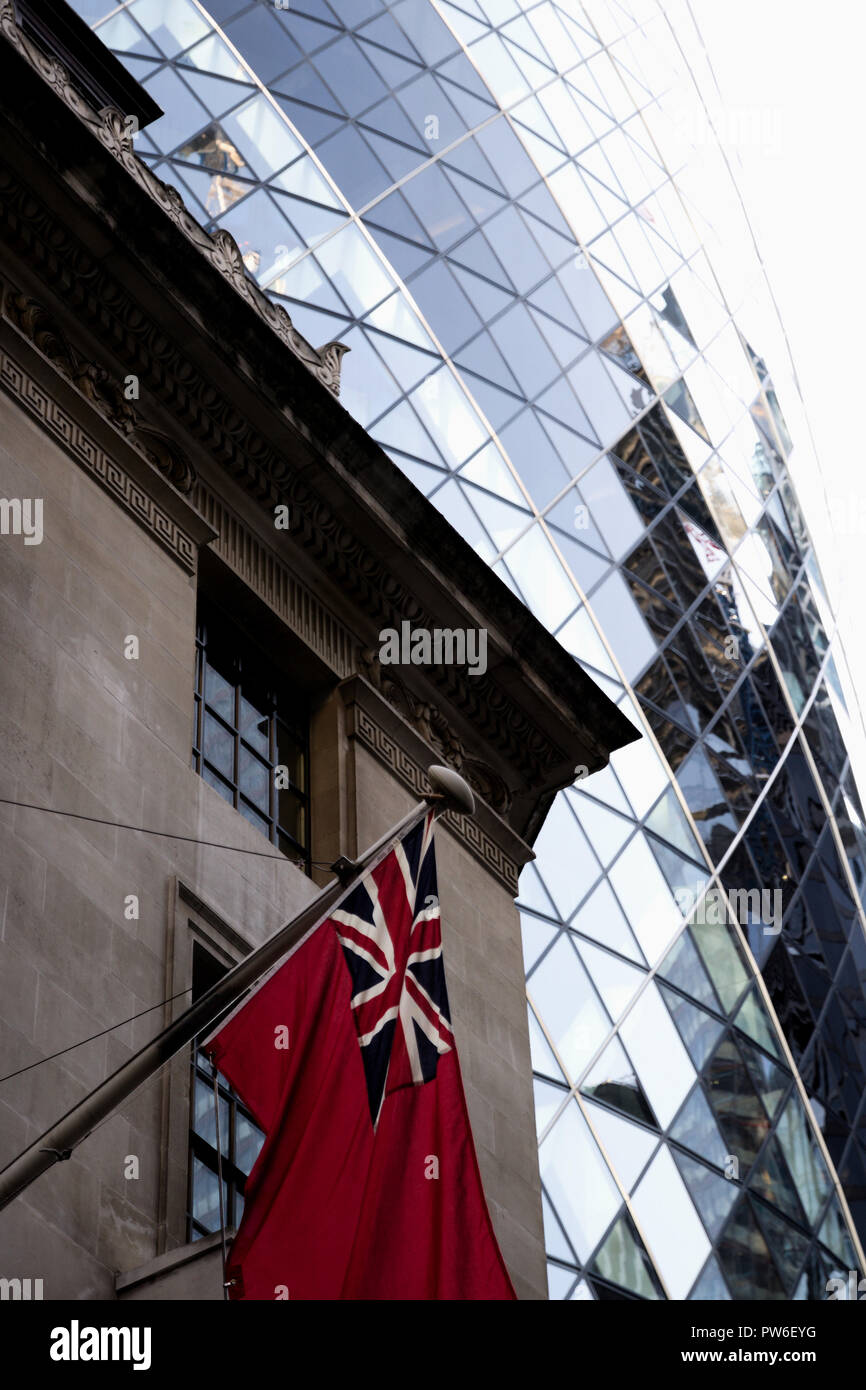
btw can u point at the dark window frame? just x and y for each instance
(207, 969)
(234, 1177)
(253, 685)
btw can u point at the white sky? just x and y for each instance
(797, 69)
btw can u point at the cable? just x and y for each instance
(165, 834)
(93, 1036)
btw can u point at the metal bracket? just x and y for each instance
(344, 868)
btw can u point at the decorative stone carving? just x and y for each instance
(94, 460)
(35, 322)
(483, 846)
(112, 129)
(93, 381)
(167, 456)
(488, 784)
(97, 385)
(429, 721)
(332, 355)
(227, 258)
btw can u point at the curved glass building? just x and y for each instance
(494, 204)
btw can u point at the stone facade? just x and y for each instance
(144, 503)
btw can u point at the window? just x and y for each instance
(240, 1137)
(250, 733)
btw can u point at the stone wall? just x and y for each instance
(84, 729)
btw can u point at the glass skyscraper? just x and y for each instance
(491, 203)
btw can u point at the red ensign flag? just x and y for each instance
(367, 1185)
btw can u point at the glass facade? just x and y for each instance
(495, 205)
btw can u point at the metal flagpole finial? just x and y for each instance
(452, 789)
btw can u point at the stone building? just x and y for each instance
(199, 550)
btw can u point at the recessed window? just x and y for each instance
(240, 1137)
(250, 733)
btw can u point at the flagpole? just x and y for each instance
(450, 792)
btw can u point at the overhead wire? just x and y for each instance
(164, 834)
(93, 1036)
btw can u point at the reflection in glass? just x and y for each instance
(623, 1260)
(577, 1181)
(484, 230)
(746, 1260)
(612, 1079)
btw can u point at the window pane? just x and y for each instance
(696, 1129)
(661, 1061)
(699, 1031)
(248, 1142)
(578, 1181)
(219, 693)
(713, 1196)
(806, 1164)
(613, 1080)
(565, 1000)
(623, 1260)
(722, 959)
(204, 1120)
(262, 133)
(219, 746)
(239, 758)
(254, 780)
(173, 25)
(788, 1245)
(254, 725)
(711, 1286)
(291, 754)
(355, 269)
(205, 1196)
(293, 816)
(628, 1146)
(645, 897)
(739, 1111)
(676, 1237)
(746, 1261)
(772, 1181)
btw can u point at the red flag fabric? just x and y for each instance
(367, 1185)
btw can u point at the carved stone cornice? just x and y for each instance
(81, 407)
(97, 385)
(376, 725)
(102, 464)
(428, 720)
(111, 128)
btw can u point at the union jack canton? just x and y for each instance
(391, 934)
